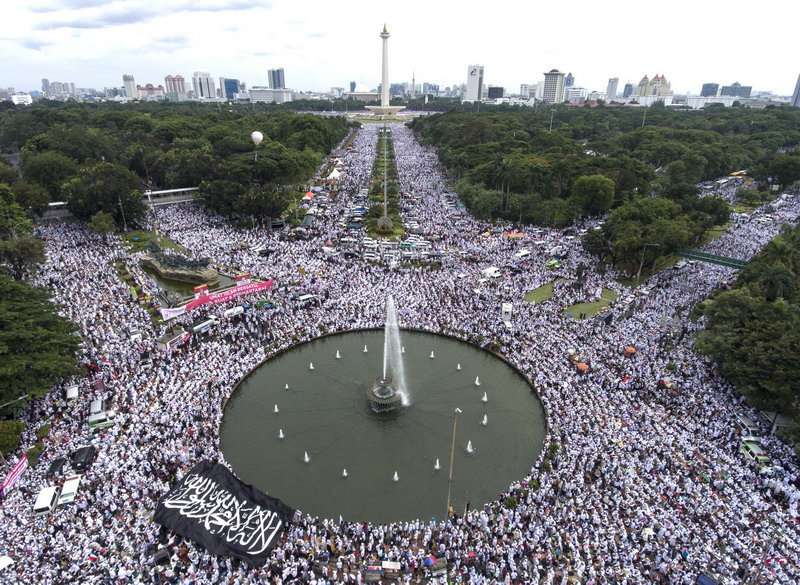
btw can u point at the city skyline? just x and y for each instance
(92, 43)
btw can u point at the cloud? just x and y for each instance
(94, 14)
(61, 5)
(33, 44)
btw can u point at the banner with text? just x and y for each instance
(218, 298)
(13, 475)
(225, 515)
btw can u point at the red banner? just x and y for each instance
(13, 475)
(243, 278)
(218, 298)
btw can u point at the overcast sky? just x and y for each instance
(324, 44)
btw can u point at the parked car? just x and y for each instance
(47, 500)
(69, 491)
(56, 468)
(83, 457)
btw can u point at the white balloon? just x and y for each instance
(257, 137)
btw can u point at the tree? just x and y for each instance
(50, 170)
(13, 219)
(21, 254)
(10, 435)
(594, 194)
(263, 203)
(106, 187)
(37, 345)
(31, 196)
(102, 223)
(776, 278)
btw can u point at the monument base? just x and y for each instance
(385, 111)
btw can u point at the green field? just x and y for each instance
(540, 294)
(592, 308)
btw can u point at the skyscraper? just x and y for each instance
(474, 83)
(627, 91)
(611, 89)
(176, 84)
(352, 86)
(553, 92)
(736, 89)
(796, 97)
(130, 86)
(569, 80)
(229, 87)
(203, 85)
(276, 80)
(46, 85)
(709, 90)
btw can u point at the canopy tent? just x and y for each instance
(630, 350)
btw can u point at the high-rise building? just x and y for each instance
(175, 84)
(553, 92)
(474, 83)
(611, 88)
(46, 85)
(203, 85)
(736, 89)
(796, 96)
(569, 80)
(656, 86)
(352, 86)
(709, 90)
(627, 91)
(230, 87)
(275, 78)
(130, 86)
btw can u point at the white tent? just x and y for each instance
(5, 562)
(334, 174)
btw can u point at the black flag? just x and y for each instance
(227, 516)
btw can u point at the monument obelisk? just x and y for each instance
(385, 109)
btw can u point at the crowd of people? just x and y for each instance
(635, 483)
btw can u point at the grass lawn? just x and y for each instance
(540, 294)
(591, 308)
(138, 240)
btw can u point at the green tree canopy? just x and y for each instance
(106, 187)
(37, 346)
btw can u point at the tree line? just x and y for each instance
(557, 164)
(753, 330)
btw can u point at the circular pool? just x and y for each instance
(295, 443)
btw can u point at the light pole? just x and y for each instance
(639, 273)
(122, 209)
(452, 456)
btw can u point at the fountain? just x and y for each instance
(372, 446)
(280, 433)
(395, 477)
(344, 473)
(458, 367)
(432, 356)
(469, 447)
(437, 466)
(306, 458)
(276, 408)
(384, 395)
(338, 355)
(365, 349)
(311, 366)
(477, 380)
(287, 386)
(485, 420)
(485, 398)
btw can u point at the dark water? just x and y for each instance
(324, 412)
(184, 289)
